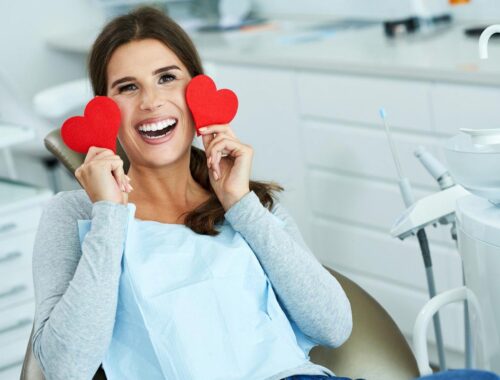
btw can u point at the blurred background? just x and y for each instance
(311, 77)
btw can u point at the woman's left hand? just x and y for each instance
(229, 175)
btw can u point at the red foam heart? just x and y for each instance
(97, 127)
(207, 104)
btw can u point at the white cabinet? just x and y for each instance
(20, 211)
(358, 99)
(465, 106)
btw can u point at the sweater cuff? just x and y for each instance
(110, 217)
(246, 211)
(111, 209)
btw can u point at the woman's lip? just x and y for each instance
(160, 140)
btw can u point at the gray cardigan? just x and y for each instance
(76, 287)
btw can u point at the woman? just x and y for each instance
(91, 307)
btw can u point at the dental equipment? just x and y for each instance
(406, 192)
(432, 209)
(483, 136)
(473, 158)
(445, 181)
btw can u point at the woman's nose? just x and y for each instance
(151, 100)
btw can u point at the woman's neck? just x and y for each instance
(165, 191)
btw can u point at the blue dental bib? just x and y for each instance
(196, 307)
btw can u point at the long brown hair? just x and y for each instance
(148, 22)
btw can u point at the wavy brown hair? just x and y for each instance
(146, 23)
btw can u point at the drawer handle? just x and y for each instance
(14, 290)
(9, 256)
(8, 366)
(8, 227)
(19, 324)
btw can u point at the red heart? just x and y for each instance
(97, 127)
(208, 105)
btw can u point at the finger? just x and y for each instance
(96, 151)
(130, 187)
(207, 139)
(214, 131)
(119, 174)
(217, 162)
(235, 148)
(216, 140)
(115, 165)
(218, 128)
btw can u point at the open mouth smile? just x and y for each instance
(153, 131)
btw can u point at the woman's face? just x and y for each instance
(148, 82)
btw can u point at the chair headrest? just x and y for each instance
(71, 159)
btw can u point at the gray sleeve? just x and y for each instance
(312, 297)
(76, 287)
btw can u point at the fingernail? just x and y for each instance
(130, 187)
(128, 178)
(204, 129)
(216, 176)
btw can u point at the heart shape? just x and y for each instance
(207, 104)
(97, 127)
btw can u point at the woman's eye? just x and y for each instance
(167, 78)
(127, 87)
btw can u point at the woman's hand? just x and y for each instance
(102, 176)
(229, 175)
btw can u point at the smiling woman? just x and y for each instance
(144, 61)
(196, 274)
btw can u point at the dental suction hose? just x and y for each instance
(408, 199)
(444, 180)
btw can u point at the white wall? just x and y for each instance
(27, 65)
(26, 24)
(488, 10)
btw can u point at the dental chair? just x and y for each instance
(375, 350)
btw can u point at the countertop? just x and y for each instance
(445, 55)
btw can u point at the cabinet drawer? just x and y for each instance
(358, 99)
(366, 151)
(16, 323)
(376, 254)
(11, 359)
(366, 202)
(461, 106)
(15, 253)
(17, 287)
(22, 220)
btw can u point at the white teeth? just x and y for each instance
(157, 126)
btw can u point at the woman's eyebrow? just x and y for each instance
(166, 68)
(157, 71)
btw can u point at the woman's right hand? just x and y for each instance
(102, 176)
